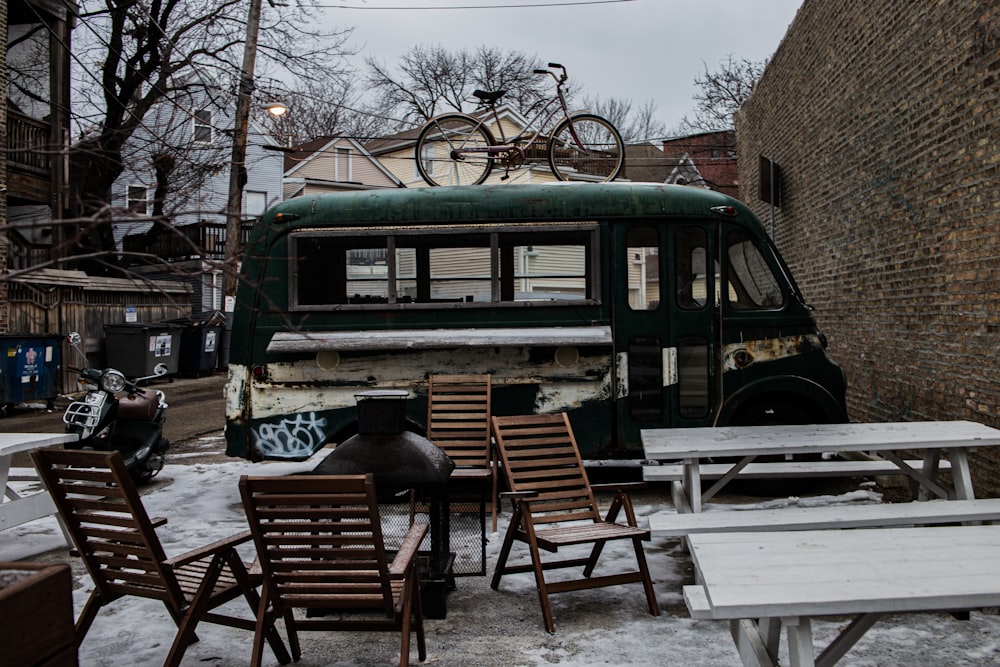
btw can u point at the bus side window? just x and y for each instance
(692, 286)
(315, 283)
(752, 284)
(643, 268)
(367, 275)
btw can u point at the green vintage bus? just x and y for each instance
(626, 305)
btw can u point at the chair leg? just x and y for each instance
(404, 622)
(242, 577)
(87, 617)
(418, 619)
(647, 582)
(260, 629)
(196, 609)
(508, 542)
(293, 634)
(543, 591)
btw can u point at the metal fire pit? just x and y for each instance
(402, 462)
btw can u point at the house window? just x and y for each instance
(342, 164)
(203, 126)
(137, 200)
(256, 203)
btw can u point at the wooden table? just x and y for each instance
(763, 582)
(16, 509)
(746, 443)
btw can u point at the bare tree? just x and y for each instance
(432, 79)
(635, 127)
(134, 54)
(722, 93)
(328, 107)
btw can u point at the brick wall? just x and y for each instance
(884, 116)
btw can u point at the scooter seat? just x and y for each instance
(141, 407)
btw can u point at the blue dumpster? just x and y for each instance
(29, 368)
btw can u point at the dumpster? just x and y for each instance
(136, 349)
(29, 368)
(201, 342)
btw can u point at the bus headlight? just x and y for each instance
(567, 355)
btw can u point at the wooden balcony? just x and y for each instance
(201, 240)
(30, 155)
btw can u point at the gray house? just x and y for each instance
(177, 172)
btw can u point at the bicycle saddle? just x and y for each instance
(489, 97)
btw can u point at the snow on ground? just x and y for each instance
(608, 626)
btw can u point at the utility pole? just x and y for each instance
(237, 177)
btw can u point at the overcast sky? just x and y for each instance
(638, 50)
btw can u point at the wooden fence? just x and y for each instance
(57, 302)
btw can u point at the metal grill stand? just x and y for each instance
(401, 462)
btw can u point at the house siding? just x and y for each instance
(884, 119)
(203, 193)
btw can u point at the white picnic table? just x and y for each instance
(745, 443)
(763, 582)
(15, 508)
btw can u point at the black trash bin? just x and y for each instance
(136, 349)
(29, 368)
(201, 342)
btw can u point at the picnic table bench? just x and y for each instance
(826, 517)
(763, 582)
(744, 444)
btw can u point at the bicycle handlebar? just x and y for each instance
(541, 71)
(557, 65)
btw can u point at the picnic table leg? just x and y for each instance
(929, 470)
(751, 646)
(848, 637)
(800, 642)
(961, 474)
(692, 484)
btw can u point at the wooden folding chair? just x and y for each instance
(458, 421)
(319, 543)
(554, 507)
(117, 540)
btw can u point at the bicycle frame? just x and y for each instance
(533, 124)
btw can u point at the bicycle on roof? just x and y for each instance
(460, 149)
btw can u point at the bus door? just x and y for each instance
(665, 328)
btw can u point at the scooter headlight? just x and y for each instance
(112, 381)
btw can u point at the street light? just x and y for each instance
(276, 109)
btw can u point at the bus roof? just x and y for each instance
(499, 203)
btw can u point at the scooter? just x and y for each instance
(131, 423)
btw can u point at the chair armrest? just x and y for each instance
(620, 486)
(158, 521)
(407, 550)
(518, 495)
(209, 550)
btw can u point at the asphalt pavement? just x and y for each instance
(196, 411)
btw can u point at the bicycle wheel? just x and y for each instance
(451, 151)
(586, 147)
